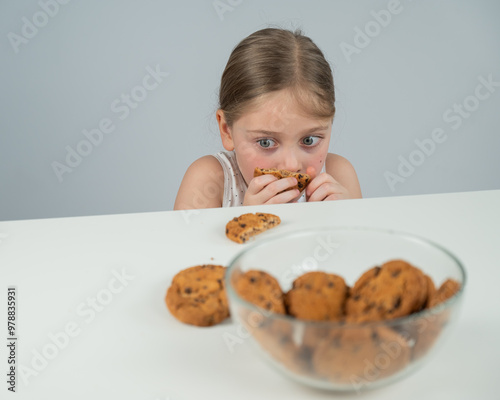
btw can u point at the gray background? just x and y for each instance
(395, 90)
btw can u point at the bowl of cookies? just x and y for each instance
(345, 309)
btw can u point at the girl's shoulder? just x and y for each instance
(205, 164)
(337, 164)
(202, 185)
(343, 172)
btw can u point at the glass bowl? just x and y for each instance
(344, 355)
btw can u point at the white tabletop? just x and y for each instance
(92, 323)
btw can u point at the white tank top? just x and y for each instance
(234, 184)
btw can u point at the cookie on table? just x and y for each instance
(393, 290)
(197, 295)
(302, 179)
(242, 228)
(317, 296)
(261, 289)
(343, 357)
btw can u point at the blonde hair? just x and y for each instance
(273, 59)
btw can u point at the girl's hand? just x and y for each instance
(264, 189)
(325, 187)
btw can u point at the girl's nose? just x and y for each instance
(289, 161)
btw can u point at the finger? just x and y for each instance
(315, 183)
(326, 190)
(321, 179)
(285, 197)
(311, 171)
(260, 182)
(268, 191)
(280, 185)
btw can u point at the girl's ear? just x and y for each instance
(225, 131)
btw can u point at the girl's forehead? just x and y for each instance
(280, 107)
(279, 119)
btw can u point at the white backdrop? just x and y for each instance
(104, 104)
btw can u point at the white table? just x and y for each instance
(83, 333)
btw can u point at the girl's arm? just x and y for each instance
(202, 185)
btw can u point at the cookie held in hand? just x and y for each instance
(302, 179)
(242, 228)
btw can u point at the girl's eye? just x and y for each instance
(266, 143)
(310, 140)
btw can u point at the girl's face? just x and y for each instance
(276, 133)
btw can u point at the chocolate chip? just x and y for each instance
(252, 280)
(331, 284)
(396, 273)
(188, 290)
(268, 305)
(377, 271)
(243, 225)
(397, 303)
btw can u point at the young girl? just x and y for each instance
(276, 111)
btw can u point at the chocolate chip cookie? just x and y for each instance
(447, 289)
(393, 290)
(358, 354)
(317, 296)
(197, 295)
(261, 289)
(430, 327)
(302, 179)
(242, 228)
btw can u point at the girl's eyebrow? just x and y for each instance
(309, 131)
